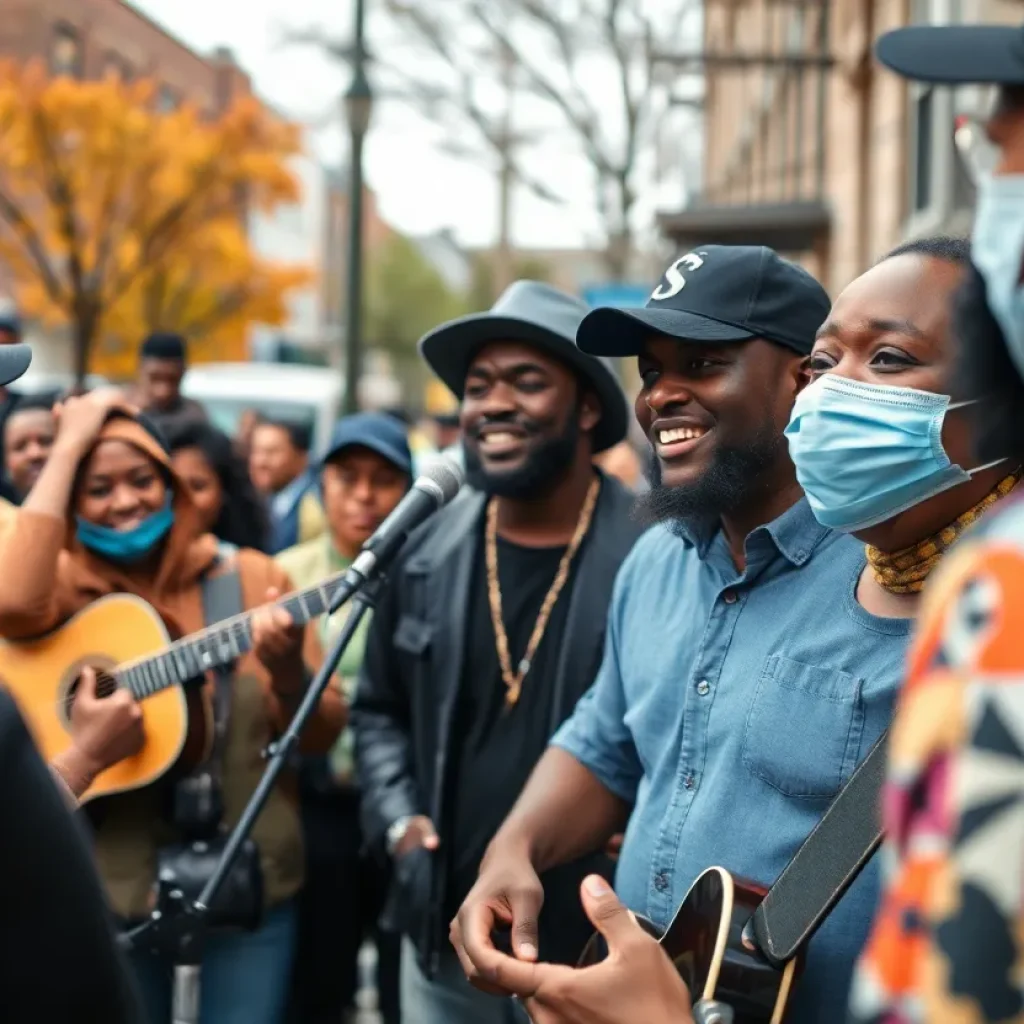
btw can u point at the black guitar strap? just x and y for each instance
(827, 862)
(222, 599)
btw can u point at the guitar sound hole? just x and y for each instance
(106, 684)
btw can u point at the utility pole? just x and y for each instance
(358, 107)
(504, 271)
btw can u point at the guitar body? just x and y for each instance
(41, 676)
(705, 943)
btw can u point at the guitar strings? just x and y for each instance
(203, 634)
(227, 624)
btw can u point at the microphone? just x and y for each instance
(439, 482)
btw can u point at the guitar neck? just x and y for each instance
(217, 645)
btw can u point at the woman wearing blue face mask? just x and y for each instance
(109, 515)
(881, 447)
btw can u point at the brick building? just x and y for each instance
(813, 148)
(87, 38)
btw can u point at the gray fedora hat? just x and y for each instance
(535, 314)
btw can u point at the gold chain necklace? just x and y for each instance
(514, 683)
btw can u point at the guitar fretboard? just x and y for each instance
(217, 645)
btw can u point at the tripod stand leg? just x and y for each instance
(185, 998)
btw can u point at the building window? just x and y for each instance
(114, 65)
(166, 100)
(923, 138)
(66, 54)
(935, 193)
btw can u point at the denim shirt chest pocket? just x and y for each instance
(803, 731)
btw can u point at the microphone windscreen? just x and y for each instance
(445, 474)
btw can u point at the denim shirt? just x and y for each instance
(729, 709)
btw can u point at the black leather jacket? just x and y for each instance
(402, 713)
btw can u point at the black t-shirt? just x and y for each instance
(495, 747)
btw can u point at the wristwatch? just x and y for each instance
(396, 833)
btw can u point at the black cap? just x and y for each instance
(955, 54)
(717, 293)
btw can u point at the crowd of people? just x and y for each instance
(576, 692)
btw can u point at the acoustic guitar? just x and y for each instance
(124, 639)
(708, 945)
(741, 945)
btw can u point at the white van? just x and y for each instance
(307, 395)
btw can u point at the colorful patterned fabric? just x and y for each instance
(948, 942)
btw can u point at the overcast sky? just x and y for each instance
(419, 189)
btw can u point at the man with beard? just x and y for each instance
(742, 682)
(491, 629)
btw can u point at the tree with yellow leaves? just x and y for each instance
(117, 219)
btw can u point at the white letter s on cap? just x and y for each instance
(674, 280)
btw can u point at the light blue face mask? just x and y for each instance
(997, 249)
(126, 546)
(864, 453)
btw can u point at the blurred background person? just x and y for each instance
(447, 430)
(28, 432)
(363, 476)
(10, 328)
(247, 423)
(108, 515)
(279, 469)
(157, 391)
(217, 480)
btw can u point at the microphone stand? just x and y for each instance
(175, 923)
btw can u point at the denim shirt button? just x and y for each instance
(661, 881)
(703, 687)
(729, 597)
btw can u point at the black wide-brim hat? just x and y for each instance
(535, 314)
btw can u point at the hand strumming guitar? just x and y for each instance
(636, 982)
(104, 731)
(277, 643)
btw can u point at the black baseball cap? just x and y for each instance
(717, 293)
(955, 54)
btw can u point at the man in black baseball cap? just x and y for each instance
(720, 345)
(731, 681)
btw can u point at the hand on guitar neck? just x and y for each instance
(635, 982)
(104, 731)
(277, 642)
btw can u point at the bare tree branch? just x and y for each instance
(553, 49)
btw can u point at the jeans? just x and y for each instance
(244, 977)
(449, 998)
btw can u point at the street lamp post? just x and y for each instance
(358, 106)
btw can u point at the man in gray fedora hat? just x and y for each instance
(491, 629)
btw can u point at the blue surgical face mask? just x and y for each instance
(126, 546)
(997, 249)
(864, 453)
